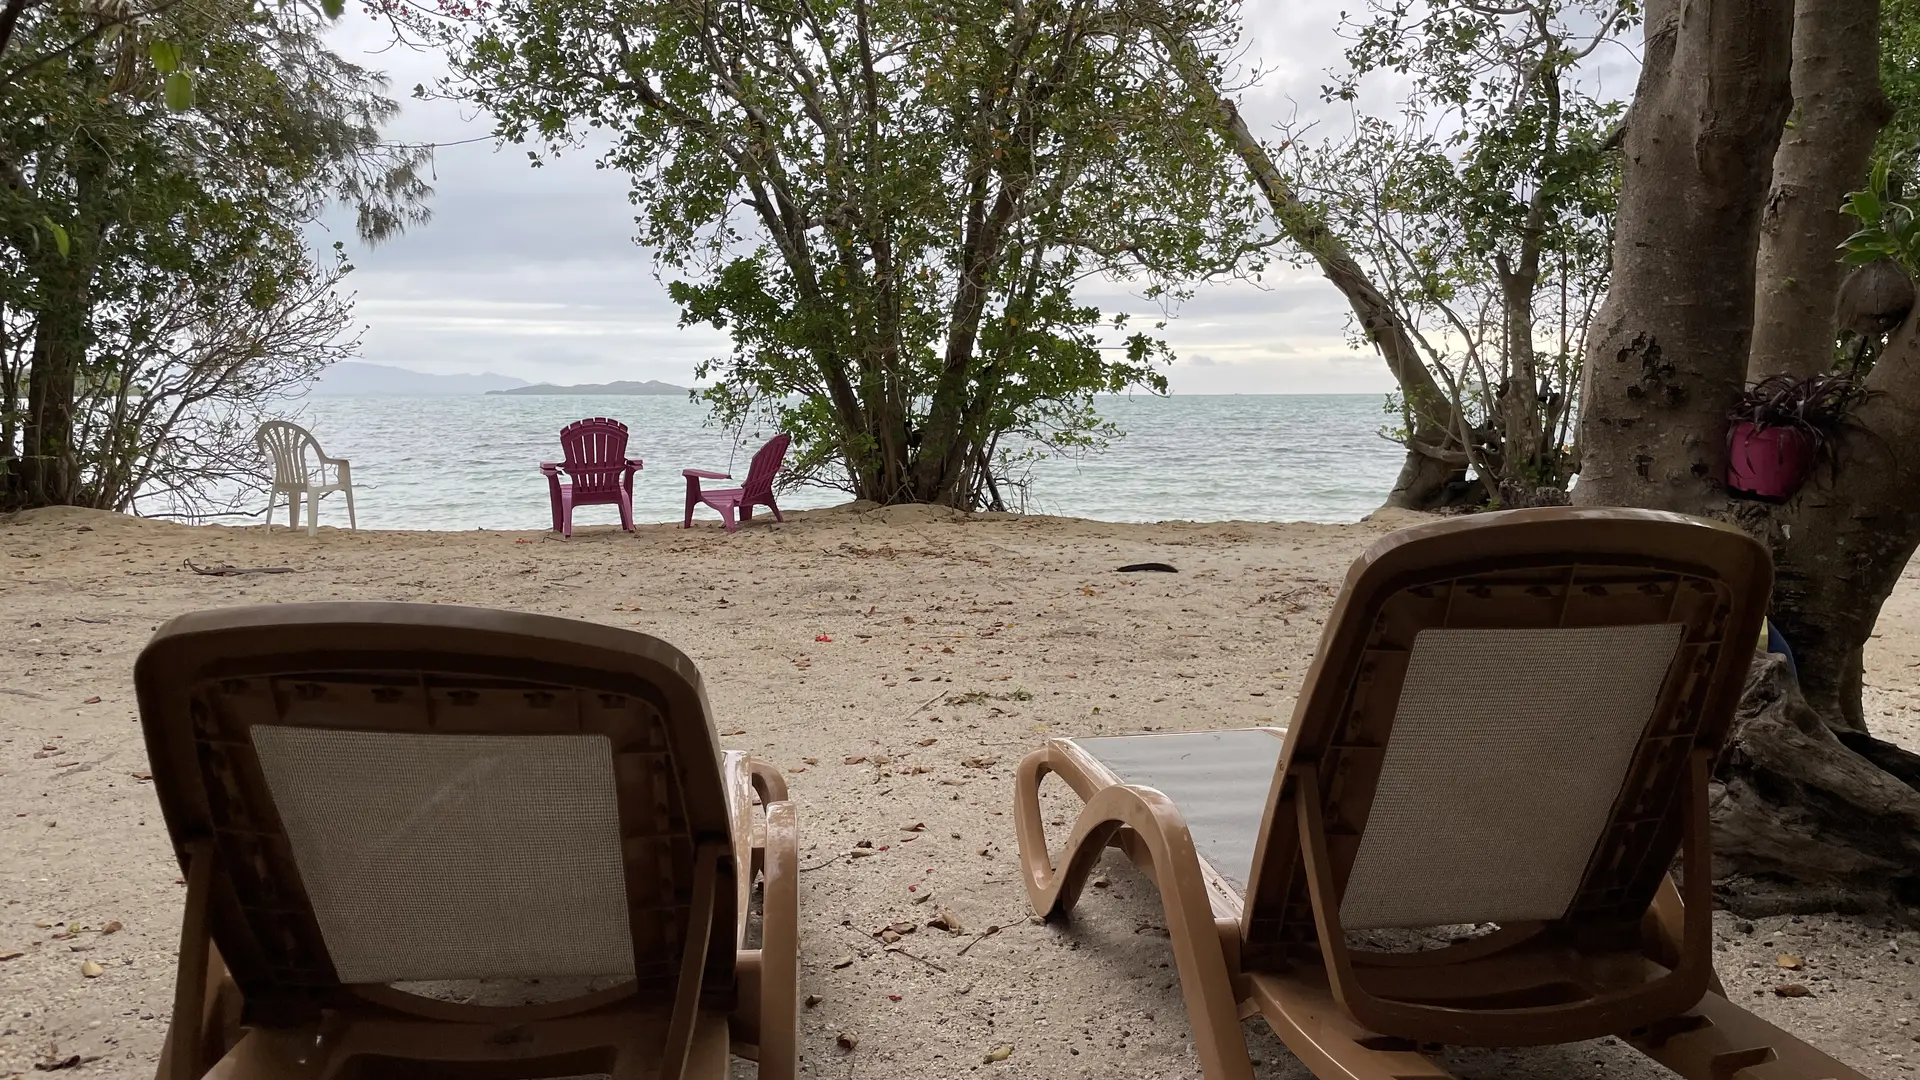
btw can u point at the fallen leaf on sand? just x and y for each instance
(998, 1053)
(945, 920)
(113, 927)
(854, 759)
(735, 731)
(44, 923)
(862, 853)
(811, 760)
(918, 826)
(843, 962)
(848, 1040)
(141, 775)
(94, 700)
(1101, 883)
(1790, 962)
(928, 741)
(53, 1065)
(92, 970)
(812, 1000)
(1791, 990)
(921, 898)
(11, 954)
(824, 638)
(985, 761)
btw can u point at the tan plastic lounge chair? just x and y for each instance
(1511, 720)
(366, 797)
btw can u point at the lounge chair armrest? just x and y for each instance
(551, 468)
(705, 474)
(635, 463)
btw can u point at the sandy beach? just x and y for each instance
(956, 644)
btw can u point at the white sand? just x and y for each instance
(922, 607)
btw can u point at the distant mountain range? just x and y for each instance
(624, 388)
(354, 379)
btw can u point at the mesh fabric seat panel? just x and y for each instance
(1220, 780)
(1508, 752)
(438, 856)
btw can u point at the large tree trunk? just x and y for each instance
(1668, 350)
(48, 472)
(1842, 542)
(1838, 111)
(1430, 475)
(1811, 813)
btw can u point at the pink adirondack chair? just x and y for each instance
(597, 468)
(757, 491)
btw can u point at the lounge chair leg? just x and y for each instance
(693, 500)
(352, 522)
(293, 509)
(776, 511)
(726, 518)
(780, 946)
(1201, 961)
(313, 513)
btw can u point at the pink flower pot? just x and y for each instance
(1767, 463)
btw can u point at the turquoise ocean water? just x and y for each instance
(470, 462)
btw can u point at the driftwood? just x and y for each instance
(223, 570)
(1807, 820)
(1158, 567)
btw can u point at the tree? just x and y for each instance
(1469, 238)
(1484, 213)
(155, 262)
(1811, 810)
(888, 204)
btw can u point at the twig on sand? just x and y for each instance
(980, 937)
(828, 861)
(924, 704)
(922, 959)
(223, 570)
(22, 693)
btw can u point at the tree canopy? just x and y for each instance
(158, 287)
(889, 205)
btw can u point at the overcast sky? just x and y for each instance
(533, 273)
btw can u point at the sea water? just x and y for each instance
(471, 462)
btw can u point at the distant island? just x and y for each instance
(354, 379)
(624, 388)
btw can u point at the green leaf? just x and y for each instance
(333, 8)
(166, 55)
(179, 88)
(61, 243)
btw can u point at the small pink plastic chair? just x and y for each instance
(597, 468)
(757, 491)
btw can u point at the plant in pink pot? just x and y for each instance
(1781, 427)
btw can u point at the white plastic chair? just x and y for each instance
(287, 445)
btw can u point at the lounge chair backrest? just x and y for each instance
(595, 450)
(407, 792)
(766, 464)
(1500, 718)
(286, 445)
